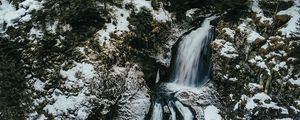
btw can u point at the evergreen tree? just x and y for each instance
(14, 98)
(296, 52)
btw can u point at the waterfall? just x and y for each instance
(157, 113)
(191, 67)
(173, 113)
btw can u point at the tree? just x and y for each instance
(296, 52)
(14, 98)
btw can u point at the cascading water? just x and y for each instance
(191, 69)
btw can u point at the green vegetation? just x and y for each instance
(296, 52)
(233, 8)
(14, 96)
(147, 33)
(41, 57)
(271, 7)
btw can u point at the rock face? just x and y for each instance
(253, 70)
(90, 59)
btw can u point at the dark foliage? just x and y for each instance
(14, 99)
(147, 32)
(234, 8)
(296, 51)
(271, 7)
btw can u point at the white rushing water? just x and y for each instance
(173, 113)
(184, 111)
(157, 113)
(190, 68)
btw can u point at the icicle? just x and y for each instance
(157, 77)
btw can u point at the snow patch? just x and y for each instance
(118, 25)
(52, 27)
(160, 14)
(211, 113)
(260, 100)
(294, 13)
(64, 103)
(75, 99)
(10, 15)
(227, 49)
(295, 82)
(259, 12)
(78, 75)
(253, 36)
(38, 85)
(280, 65)
(190, 12)
(229, 32)
(259, 62)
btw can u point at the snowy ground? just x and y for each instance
(11, 16)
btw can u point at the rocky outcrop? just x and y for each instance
(253, 70)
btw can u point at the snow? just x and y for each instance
(295, 82)
(254, 86)
(280, 65)
(10, 15)
(298, 102)
(227, 50)
(243, 27)
(266, 45)
(61, 102)
(259, 100)
(78, 75)
(211, 113)
(294, 13)
(140, 3)
(285, 119)
(52, 27)
(35, 33)
(64, 103)
(263, 65)
(233, 79)
(36, 116)
(260, 63)
(160, 14)
(135, 102)
(38, 85)
(253, 36)
(120, 16)
(190, 12)
(229, 32)
(259, 12)
(259, 96)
